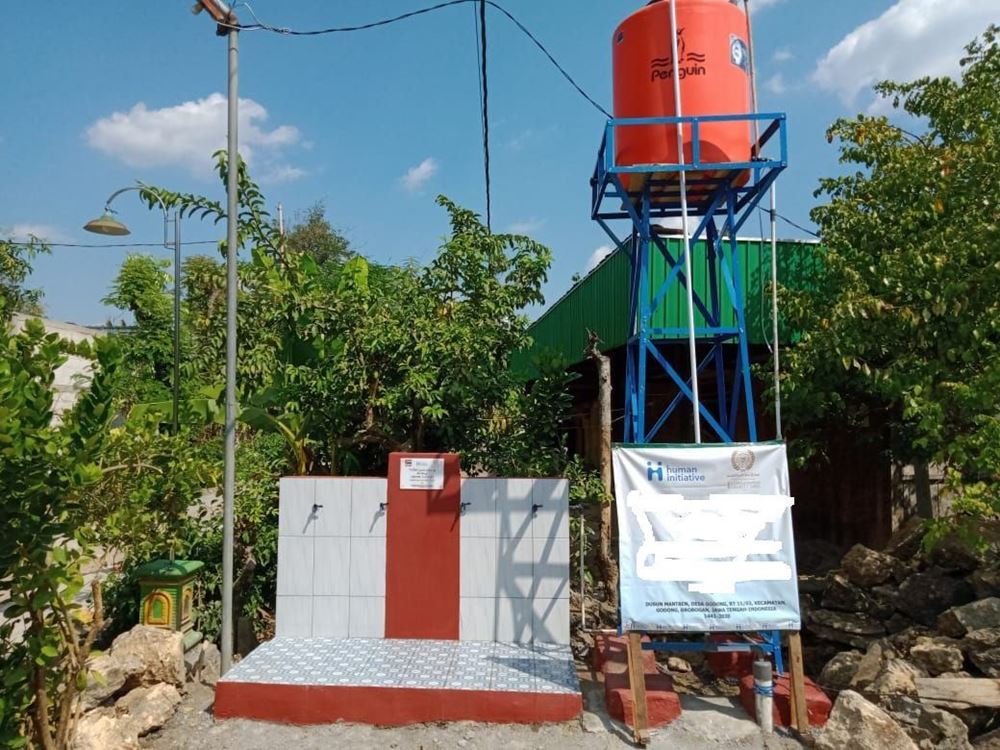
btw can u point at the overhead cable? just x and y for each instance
(285, 31)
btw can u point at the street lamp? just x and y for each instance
(107, 224)
(227, 25)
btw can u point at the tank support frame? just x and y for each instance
(720, 206)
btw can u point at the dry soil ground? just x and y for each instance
(706, 723)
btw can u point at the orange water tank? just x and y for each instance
(714, 80)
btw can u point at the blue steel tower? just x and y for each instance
(721, 197)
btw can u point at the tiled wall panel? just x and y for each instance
(514, 576)
(331, 557)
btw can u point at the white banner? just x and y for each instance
(705, 538)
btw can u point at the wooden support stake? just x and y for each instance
(637, 684)
(800, 711)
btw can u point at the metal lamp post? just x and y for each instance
(107, 224)
(227, 25)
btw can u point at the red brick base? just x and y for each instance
(662, 703)
(325, 704)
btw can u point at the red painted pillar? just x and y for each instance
(422, 546)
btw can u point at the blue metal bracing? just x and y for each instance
(721, 197)
(722, 205)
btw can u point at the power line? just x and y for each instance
(113, 244)
(261, 26)
(484, 87)
(552, 60)
(789, 222)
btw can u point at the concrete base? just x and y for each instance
(395, 682)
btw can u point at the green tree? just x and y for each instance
(313, 236)
(15, 268)
(141, 289)
(901, 329)
(45, 469)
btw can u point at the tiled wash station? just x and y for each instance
(420, 597)
(513, 566)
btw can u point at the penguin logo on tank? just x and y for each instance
(688, 63)
(739, 55)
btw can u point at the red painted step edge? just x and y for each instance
(611, 658)
(388, 706)
(818, 705)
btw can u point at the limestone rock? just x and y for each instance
(957, 621)
(905, 542)
(810, 584)
(953, 554)
(106, 677)
(160, 653)
(103, 729)
(857, 724)
(148, 708)
(844, 596)
(211, 664)
(852, 629)
(924, 596)
(985, 582)
(929, 727)
(677, 664)
(988, 741)
(881, 673)
(983, 648)
(937, 655)
(866, 567)
(840, 670)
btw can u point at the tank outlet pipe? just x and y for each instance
(763, 695)
(688, 271)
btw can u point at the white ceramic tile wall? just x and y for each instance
(367, 617)
(293, 616)
(331, 557)
(514, 559)
(330, 616)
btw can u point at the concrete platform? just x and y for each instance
(400, 681)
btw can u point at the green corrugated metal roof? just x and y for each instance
(599, 302)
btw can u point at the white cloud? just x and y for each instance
(282, 173)
(596, 257)
(188, 134)
(913, 38)
(776, 84)
(783, 54)
(416, 177)
(24, 232)
(759, 4)
(528, 226)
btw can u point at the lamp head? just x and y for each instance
(107, 224)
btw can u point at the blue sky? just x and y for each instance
(375, 124)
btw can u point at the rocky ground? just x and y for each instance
(706, 723)
(907, 642)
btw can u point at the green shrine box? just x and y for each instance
(166, 595)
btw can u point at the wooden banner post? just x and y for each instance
(637, 684)
(800, 711)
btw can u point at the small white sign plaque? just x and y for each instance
(421, 474)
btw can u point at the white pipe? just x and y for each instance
(763, 683)
(692, 345)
